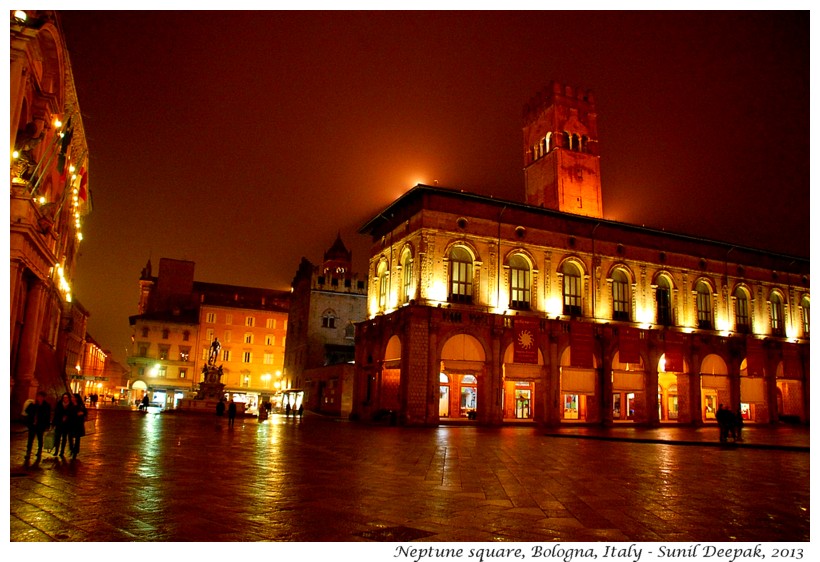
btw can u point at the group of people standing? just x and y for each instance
(69, 419)
(730, 424)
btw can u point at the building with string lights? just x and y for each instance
(49, 200)
(544, 311)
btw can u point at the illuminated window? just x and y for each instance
(184, 353)
(270, 323)
(461, 275)
(328, 319)
(268, 359)
(804, 304)
(777, 315)
(183, 373)
(663, 301)
(741, 311)
(620, 296)
(248, 337)
(571, 290)
(249, 321)
(246, 381)
(160, 372)
(382, 277)
(519, 282)
(703, 301)
(407, 277)
(210, 318)
(210, 334)
(246, 356)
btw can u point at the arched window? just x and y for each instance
(406, 277)
(742, 323)
(663, 301)
(584, 143)
(703, 300)
(620, 296)
(382, 276)
(519, 282)
(565, 137)
(328, 319)
(572, 290)
(461, 275)
(804, 304)
(777, 315)
(576, 143)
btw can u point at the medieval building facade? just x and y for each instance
(49, 199)
(547, 312)
(326, 302)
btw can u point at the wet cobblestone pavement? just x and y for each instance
(188, 477)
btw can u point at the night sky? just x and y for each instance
(244, 141)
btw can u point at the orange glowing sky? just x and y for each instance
(244, 141)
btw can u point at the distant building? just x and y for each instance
(326, 303)
(180, 318)
(501, 312)
(49, 199)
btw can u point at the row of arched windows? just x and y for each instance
(570, 141)
(460, 289)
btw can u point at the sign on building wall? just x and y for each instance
(582, 344)
(525, 349)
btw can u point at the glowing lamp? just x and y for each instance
(20, 16)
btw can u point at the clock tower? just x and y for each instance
(561, 161)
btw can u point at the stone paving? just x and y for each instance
(188, 477)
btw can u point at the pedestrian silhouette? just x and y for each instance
(231, 412)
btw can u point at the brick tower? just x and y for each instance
(561, 161)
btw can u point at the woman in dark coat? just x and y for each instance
(62, 424)
(77, 423)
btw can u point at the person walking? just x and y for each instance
(300, 411)
(220, 407)
(77, 423)
(38, 420)
(62, 424)
(738, 425)
(231, 412)
(725, 420)
(145, 402)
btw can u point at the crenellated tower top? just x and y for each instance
(561, 158)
